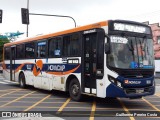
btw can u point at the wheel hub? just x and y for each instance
(75, 89)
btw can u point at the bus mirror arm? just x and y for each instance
(107, 45)
(107, 48)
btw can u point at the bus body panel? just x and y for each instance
(45, 79)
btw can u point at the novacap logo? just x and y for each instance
(37, 67)
(132, 82)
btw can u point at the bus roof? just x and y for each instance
(91, 26)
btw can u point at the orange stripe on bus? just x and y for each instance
(64, 73)
(20, 67)
(91, 26)
(4, 65)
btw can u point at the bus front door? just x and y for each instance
(12, 63)
(89, 76)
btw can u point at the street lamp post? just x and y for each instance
(55, 16)
(48, 15)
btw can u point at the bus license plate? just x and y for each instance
(140, 90)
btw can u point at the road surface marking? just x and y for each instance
(93, 111)
(10, 89)
(17, 99)
(63, 106)
(9, 93)
(1, 82)
(153, 106)
(125, 108)
(37, 103)
(10, 81)
(157, 94)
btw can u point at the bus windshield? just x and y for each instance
(131, 53)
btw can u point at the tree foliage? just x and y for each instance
(2, 42)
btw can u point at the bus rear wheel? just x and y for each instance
(75, 90)
(22, 82)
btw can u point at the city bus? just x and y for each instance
(107, 59)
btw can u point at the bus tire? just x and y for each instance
(22, 82)
(75, 90)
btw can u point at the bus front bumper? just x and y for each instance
(114, 91)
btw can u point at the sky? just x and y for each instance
(83, 11)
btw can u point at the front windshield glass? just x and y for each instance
(131, 53)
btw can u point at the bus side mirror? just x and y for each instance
(107, 48)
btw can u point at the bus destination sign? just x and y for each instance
(131, 28)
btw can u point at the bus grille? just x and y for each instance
(138, 90)
(137, 76)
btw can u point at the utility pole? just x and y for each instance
(1, 13)
(28, 15)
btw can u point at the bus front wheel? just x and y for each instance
(75, 90)
(22, 82)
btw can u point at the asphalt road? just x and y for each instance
(32, 102)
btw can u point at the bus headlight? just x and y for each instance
(111, 79)
(114, 81)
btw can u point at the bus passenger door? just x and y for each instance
(89, 62)
(12, 63)
(41, 80)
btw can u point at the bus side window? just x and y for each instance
(55, 47)
(29, 50)
(41, 49)
(7, 53)
(20, 51)
(71, 45)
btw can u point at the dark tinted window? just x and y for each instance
(20, 51)
(71, 45)
(7, 53)
(29, 50)
(55, 47)
(41, 49)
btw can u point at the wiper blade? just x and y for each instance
(141, 50)
(145, 45)
(130, 46)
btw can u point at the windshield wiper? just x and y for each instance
(131, 48)
(145, 43)
(141, 49)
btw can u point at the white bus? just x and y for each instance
(86, 60)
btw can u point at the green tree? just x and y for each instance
(2, 42)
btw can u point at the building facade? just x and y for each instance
(156, 39)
